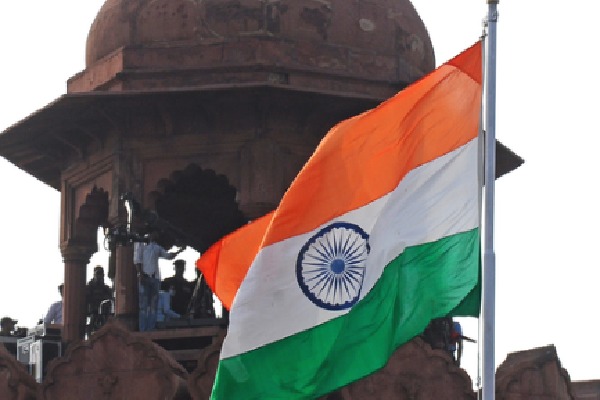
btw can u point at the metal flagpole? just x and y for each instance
(481, 177)
(489, 258)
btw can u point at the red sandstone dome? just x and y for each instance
(378, 40)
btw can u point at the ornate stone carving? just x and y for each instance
(15, 382)
(114, 364)
(534, 374)
(200, 381)
(414, 372)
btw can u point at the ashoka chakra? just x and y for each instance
(331, 265)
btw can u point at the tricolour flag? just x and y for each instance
(224, 264)
(377, 235)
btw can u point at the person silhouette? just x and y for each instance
(54, 313)
(7, 326)
(96, 292)
(181, 286)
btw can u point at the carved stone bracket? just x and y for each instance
(75, 251)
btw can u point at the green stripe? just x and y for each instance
(424, 282)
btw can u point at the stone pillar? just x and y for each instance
(75, 256)
(126, 287)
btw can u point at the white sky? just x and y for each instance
(546, 210)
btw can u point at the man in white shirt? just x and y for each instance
(54, 314)
(145, 258)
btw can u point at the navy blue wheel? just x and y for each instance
(331, 265)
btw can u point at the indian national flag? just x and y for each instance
(377, 235)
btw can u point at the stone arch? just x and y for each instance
(198, 205)
(76, 254)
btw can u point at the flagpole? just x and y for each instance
(489, 258)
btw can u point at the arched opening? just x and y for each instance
(194, 207)
(198, 207)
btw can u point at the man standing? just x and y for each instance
(202, 299)
(96, 292)
(7, 326)
(54, 313)
(145, 258)
(183, 288)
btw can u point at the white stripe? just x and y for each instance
(433, 201)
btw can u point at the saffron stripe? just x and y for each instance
(375, 150)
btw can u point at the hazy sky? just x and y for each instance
(546, 211)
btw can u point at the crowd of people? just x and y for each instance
(159, 300)
(172, 298)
